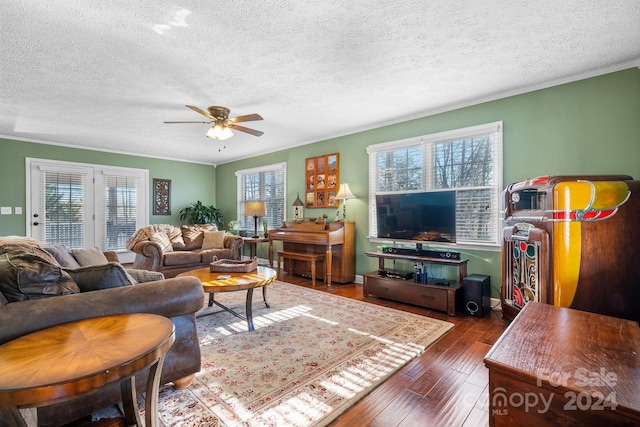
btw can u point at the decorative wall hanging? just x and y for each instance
(161, 196)
(322, 177)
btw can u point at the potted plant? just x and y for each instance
(233, 227)
(199, 213)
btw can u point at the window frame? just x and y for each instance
(273, 222)
(427, 142)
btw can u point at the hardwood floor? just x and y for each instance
(445, 386)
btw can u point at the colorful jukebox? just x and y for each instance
(573, 242)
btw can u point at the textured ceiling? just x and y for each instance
(106, 74)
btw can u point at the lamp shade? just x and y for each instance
(254, 208)
(345, 192)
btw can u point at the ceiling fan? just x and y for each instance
(222, 124)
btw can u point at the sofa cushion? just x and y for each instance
(3, 299)
(213, 240)
(62, 254)
(161, 238)
(208, 254)
(28, 272)
(89, 256)
(180, 258)
(95, 277)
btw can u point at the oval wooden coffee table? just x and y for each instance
(215, 282)
(63, 361)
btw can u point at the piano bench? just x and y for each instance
(300, 256)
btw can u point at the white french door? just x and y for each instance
(82, 205)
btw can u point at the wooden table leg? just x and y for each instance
(153, 390)
(130, 402)
(328, 258)
(264, 296)
(249, 309)
(11, 417)
(130, 397)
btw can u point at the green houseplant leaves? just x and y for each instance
(198, 213)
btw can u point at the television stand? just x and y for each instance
(431, 295)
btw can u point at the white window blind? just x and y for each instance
(118, 208)
(468, 161)
(265, 184)
(62, 216)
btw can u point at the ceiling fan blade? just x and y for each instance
(201, 111)
(172, 123)
(247, 130)
(247, 118)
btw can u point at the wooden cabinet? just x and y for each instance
(559, 366)
(437, 297)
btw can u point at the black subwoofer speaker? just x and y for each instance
(476, 295)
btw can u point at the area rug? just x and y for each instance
(312, 355)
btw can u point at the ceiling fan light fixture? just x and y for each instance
(220, 132)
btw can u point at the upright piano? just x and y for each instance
(334, 239)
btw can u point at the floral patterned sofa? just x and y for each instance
(172, 250)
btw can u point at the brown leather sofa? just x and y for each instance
(177, 299)
(172, 250)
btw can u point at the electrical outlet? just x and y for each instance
(5, 210)
(17, 210)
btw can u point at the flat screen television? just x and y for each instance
(417, 217)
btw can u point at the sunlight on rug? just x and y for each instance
(312, 356)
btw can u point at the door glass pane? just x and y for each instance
(64, 198)
(121, 194)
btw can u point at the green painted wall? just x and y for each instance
(189, 182)
(590, 126)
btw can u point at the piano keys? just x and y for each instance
(334, 239)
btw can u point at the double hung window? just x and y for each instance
(468, 161)
(264, 184)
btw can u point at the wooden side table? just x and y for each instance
(253, 244)
(63, 361)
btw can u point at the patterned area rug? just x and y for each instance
(311, 356)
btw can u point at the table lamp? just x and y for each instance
(344, 193)
(255, 209)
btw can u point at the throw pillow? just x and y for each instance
(3, 299)
(161, 238)
(62, 254)
(95, 277)
(28, 272)
(90, 256)
(192, 237)
(175, 236)
(213, 240)
(144, 276)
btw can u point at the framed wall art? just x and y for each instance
(161, 196)
(322, 178)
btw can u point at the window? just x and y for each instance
(264, 184)
(467, 160)
(82, 205)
